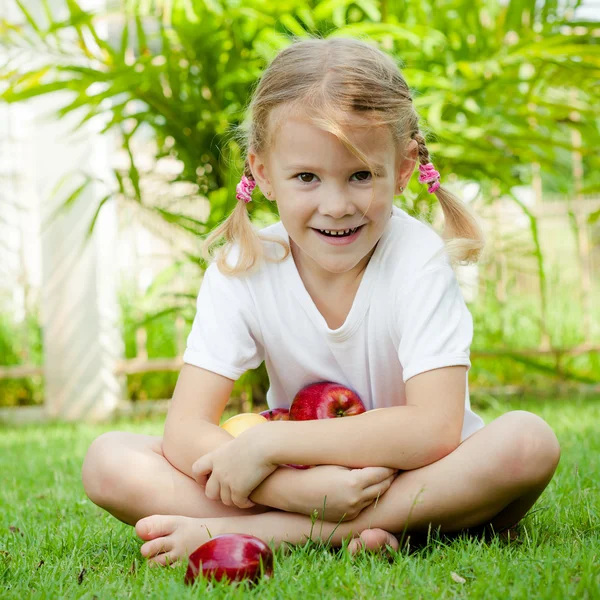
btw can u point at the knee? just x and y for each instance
(532, 448)
(103, 469)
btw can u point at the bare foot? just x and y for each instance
(171, 539)
(373, 539)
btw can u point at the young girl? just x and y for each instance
(346, 288)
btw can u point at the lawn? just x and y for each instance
(54, 543)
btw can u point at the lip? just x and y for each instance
(339, 241)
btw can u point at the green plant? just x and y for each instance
(21, 343)
(500, 86)
(484, 79)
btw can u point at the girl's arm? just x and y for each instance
(334, 493)
(192, 430)
(192, 426)
(402, 437)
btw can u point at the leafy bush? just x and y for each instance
(495, 83)
(21, 343)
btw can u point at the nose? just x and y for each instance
(337, 203)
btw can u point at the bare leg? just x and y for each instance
(128, 475)
(493, 478)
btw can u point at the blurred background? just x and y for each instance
(117, 158)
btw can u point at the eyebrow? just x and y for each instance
(379, 169)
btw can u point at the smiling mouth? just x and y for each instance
(341, 233)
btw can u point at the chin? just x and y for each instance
(338, 267)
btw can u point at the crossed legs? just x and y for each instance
(491, 480)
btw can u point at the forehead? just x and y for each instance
(296, 137)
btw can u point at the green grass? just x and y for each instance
(54, 543)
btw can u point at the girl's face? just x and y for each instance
(319, 184)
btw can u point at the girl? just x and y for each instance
(345, 288)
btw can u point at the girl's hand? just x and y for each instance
(345, 492)
(233, 471)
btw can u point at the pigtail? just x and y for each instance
(237, 230)
(464, 238)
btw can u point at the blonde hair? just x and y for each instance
(331, 80)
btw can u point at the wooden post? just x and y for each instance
(79, 308)
(141, 338)
(82, 340)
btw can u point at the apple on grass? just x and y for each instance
(235, 556)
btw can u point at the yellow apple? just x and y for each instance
(237, 424)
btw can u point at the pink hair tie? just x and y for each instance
(429, 175)
(244, 189)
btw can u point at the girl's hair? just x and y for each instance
(331, 81)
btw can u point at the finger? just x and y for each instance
(213, 488)
(241, 502)
(226, 496)
(378, 489)
(202, 480)
(374, 475)
(202, 469)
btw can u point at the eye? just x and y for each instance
(301, 175)
(363, 172)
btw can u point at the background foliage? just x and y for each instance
(499, 87)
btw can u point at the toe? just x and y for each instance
(355, 545)
(155, 526)
(379, 538)
(373, 539)
(155, 547)
(392, 541)
(164, 560)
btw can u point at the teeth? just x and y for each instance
(337, 233)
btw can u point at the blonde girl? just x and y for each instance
(346, 288)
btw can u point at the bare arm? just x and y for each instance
(401, 437)
(192, 430)
(192, 426)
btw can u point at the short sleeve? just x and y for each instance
(224, 336)
(435, 325)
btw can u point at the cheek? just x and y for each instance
(294, 218)
(296, 209)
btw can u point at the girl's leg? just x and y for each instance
(128, 475)
(493, 478)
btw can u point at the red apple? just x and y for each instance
(325, 400)
(236, 556)
(276, 414)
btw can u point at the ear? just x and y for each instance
(259, 170)
(406, 165)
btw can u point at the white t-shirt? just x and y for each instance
(408, 316)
